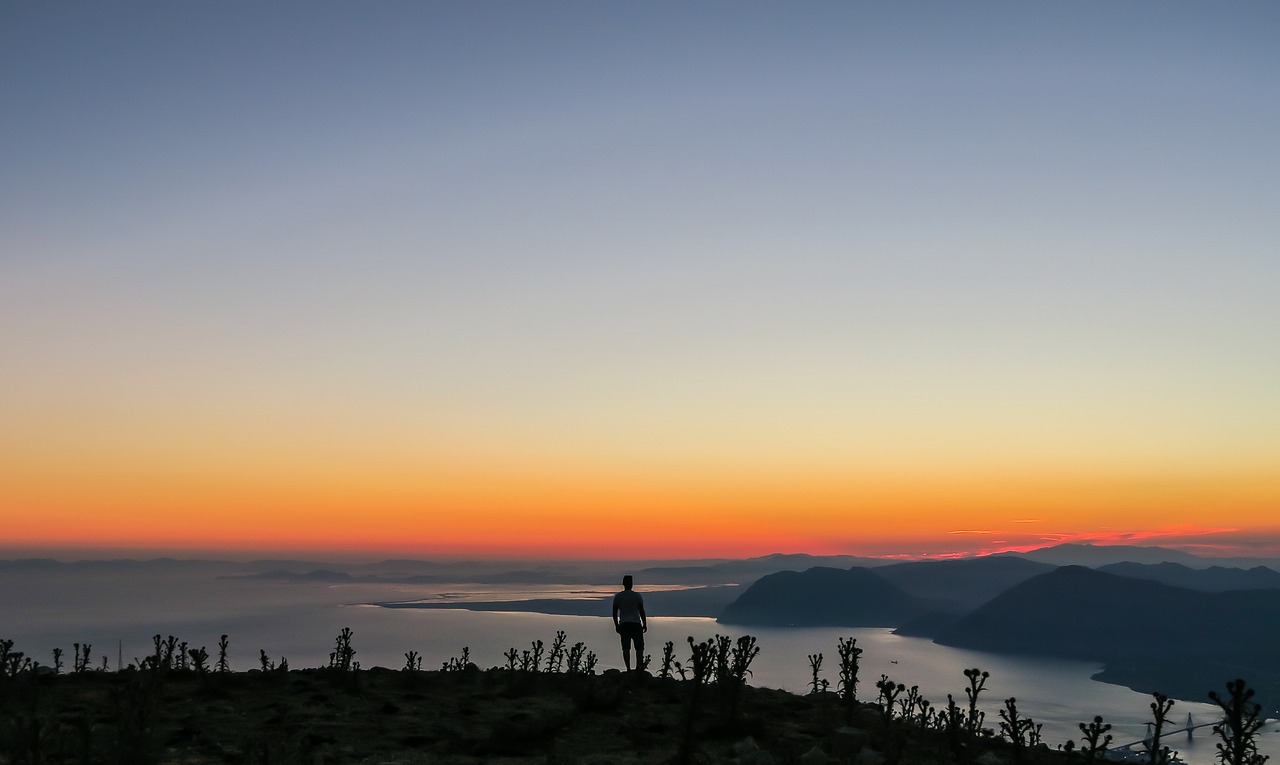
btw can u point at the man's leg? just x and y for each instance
(626, 646)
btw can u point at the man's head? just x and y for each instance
(627, 582)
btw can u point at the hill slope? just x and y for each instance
(962, 584)
(822, 597)
(1150, 635)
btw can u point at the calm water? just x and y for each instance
(118, 616)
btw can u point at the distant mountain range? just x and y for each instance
(1212, 579)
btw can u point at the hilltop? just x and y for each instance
(463, 717)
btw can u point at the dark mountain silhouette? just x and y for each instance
(822, 596)
(963, 584)
(1212, 579)
(929, 625)
(1151, 636)
(1073, 554)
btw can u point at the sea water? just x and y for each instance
(119, 614)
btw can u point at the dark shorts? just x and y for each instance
(630, 632)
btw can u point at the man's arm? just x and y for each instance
(615, 612)
(644, 620)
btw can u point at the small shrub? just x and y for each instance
(199, 659)
(12, 663)
(1021, 731)
(915, 708)
(576, 657)
(889, 691)
(1239, 727)
(535, 655)
(744, 651)
(668, 660)
(556, 657)
(817, 684)
(457, 663)
(81, 661)
(1156, 754)
(343, 657)
(848, 652)
(977, 684)
(223, 664)
(1096, 738)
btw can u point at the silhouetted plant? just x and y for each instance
(169, 649)
(412, 662)
(270, 666)
(849, 653)
(590, 666)
(1096, 738)
(816, 683)
(513, 657)
(744, 651)
(223, 664)
(977, 683)
(643, 661)
(343, 657)
(1158, 755)
(889, 691)
(81, 661)
(555, 658)
(12, 663)
(702, 665)
(57, 661)
(199, 659)
(535, 655)
(1022, 732)
(457, 663)
(162, 654)
(952, 721)
(575, 659)
(668, 659)
(914, 707)
(1239, 727)
(721, 648)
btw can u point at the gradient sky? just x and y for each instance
(611, 279)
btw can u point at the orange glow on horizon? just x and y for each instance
(368, 494)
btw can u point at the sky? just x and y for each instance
(639, 279)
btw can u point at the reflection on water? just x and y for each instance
(301, 620)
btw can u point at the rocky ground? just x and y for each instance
(385, 717)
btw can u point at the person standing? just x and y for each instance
(630, 621)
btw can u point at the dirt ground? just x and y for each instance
(385, 717)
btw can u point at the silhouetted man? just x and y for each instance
(630, 622)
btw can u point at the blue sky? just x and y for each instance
(685, 236)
